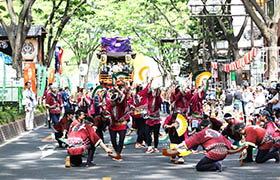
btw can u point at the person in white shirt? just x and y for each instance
(259, 100)
(29, 103)
(248, 98)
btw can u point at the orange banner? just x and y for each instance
(51, 76)
(29, 75)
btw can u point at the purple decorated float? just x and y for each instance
(115, 61)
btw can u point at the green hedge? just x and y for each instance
(10, 114)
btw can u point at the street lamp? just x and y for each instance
(213, 6)
(195, 6)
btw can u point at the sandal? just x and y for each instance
(156, 150)
(119, 160)
(137, 146)
(179, 161)
(149, 150)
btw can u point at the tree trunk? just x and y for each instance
(17, 65)
(238, 73)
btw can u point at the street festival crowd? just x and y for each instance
(222, 122)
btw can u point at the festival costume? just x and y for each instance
(118, 122)
(214, 143)
(60, 127)
(173, 135)
(100, 124)
(85, 104)
(271, 127)
(196, 109)
(153, 120)
(82, 136)
(54, 102)
(181, 101)
(257, 136)
(139, 103)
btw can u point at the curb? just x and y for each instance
(16, 128)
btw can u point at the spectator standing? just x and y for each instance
(29, 103)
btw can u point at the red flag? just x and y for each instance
(60, 60)
(234, 66)
(214, 65)
(249, 56)
(246, 59)
(254, 52)
(226, 67)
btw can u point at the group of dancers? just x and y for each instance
(81, 130)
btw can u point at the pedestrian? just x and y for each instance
(29, 102)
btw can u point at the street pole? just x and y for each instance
(204, 57)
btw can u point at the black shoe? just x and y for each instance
(90, 164)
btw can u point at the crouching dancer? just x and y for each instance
(82, 136)
(260, 138)
(169, 126)
(215, 144)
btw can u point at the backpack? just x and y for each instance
(76, 144)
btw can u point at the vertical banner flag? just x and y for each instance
(51, 76)
(58, 60)
(57, 78)
(69, 84)
(39, 78)
(29, 75)
(41, 81)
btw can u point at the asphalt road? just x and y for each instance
(27, 157)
